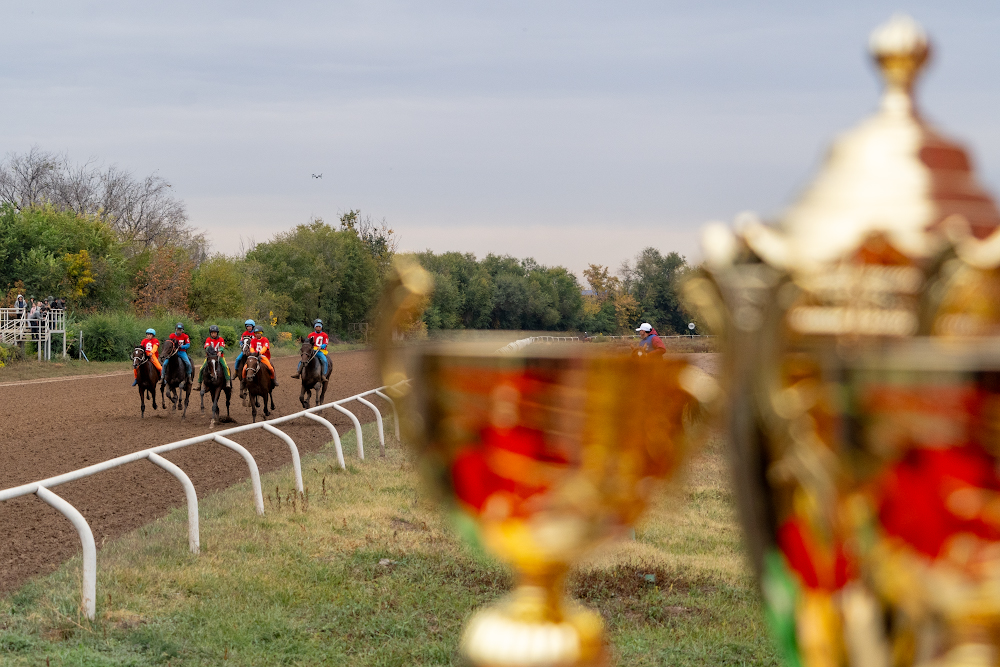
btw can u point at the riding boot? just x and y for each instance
(298, 371)
(135, 382)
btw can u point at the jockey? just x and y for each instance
(247, 333)
(261, 345)
(217, 343)
(150, 345)
(319, 339)
(183, 342)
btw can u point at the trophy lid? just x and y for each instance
(893, 175)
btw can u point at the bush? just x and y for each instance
(9, 355)
(111, 337)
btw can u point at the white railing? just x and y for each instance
(42, 488)
(525, 342)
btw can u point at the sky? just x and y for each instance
(572, 132)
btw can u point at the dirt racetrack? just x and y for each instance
(49, 428)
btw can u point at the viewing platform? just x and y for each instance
(17, 329)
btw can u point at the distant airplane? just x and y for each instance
(317, 175)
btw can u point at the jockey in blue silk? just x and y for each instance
(248, 333)
(183, 342)
(320, 340)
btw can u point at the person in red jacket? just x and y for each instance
(651, 344)
(260, 344)
(150, 345)
(320, 340)
(183, 342)
(217, 343)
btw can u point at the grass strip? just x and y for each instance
(361, 570)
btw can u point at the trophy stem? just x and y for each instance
(536, 624)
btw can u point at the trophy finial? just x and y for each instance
(901, 49)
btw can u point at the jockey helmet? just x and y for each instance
(213, 328)
(318, 323)
(258, 330)
(179, 326)
(151, 331)
(250, 323)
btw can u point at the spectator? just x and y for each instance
(22, 307)
(650, 342)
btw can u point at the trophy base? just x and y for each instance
(528, 629)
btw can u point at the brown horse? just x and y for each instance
(312, 374)
(175, 378)
(215, 383)
(149, 375)
(258, 382)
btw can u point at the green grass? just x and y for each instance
(303, 585)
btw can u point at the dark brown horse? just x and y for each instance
(149, 375)
(175, 378)
(215, 383)
(312, 374)
(258, 382)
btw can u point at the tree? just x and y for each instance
(143, 212)
(164, 281)
(217, 289)
(653, 281)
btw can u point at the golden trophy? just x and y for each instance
(862, 355)
(547, 453)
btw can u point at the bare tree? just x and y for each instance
(142, 211)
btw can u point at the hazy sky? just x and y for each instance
(573, 132)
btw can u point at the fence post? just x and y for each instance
(258, 496)
(296, 462)
(336, 438)
(357, 429)
(192, 499)
(88, 596)
(395, 415)
(378, 420)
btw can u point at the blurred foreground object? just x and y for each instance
(545, 452)
(862, 355)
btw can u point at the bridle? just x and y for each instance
(139, 357)
(252, 368)
(213, 364)
(306, 362)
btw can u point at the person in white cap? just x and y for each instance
(21, 305)
(651, 344)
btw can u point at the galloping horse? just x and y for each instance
(240, 363)
(258, 382)
(149, 375)
(312, 374)
(174, 375)
(215, 383)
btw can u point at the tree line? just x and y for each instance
(110, 242)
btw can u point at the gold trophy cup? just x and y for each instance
(548, 453)
(862, 342)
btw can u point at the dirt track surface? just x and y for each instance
(50, 428)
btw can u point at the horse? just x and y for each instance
(215, 383)
(175, 376)
(258, 382)
(312, 374)
(149, 375)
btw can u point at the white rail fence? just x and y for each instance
(42, 488)
(525, 342)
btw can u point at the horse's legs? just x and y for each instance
(187, 398)
(321, 394)
(142, 400)
(229, 393)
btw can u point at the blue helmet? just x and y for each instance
(318, 323)
(250, 323)
(179, 326)
(151, 331)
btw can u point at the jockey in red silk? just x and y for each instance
(183, 345)
(260, 344)
(320, 340)
(217, 343)
(247, 333)
(150, 346)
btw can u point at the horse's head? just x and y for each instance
(138, 356)
(245, 345)
(211, 353)
(169, 349)
(253, 365)
(305, 350)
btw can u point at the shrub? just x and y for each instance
(111, 337)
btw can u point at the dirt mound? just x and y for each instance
(53, 428)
